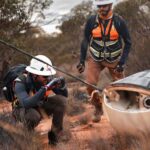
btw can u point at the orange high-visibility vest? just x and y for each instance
(105, 44)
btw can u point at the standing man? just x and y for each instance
(103, 36)
(38, 89)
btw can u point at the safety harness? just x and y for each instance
(105, 42)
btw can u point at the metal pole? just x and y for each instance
(27, 54)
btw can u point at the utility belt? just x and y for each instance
(108, 43)
(108, 56)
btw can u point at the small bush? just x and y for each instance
(16, 137)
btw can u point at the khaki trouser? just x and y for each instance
(94, 69)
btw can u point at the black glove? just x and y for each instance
(56, 82)
(119, 68)
(61, 83)
(81, 67)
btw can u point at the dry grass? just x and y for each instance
(74, 108)
(84, 120)
(16, 137)
(75, 101)
(130, 142)
(120, 142)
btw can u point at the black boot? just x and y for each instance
(97, 114)
(52, 137)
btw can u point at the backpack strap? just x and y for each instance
(22, 78)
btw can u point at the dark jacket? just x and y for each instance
(24, 85)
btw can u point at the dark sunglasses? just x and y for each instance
(46, 77)
(100, 6)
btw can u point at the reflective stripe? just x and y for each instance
(101, 43)
(105, 59)
(98, 54)
(109, 43)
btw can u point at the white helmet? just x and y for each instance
(40, 68)
(103, 2)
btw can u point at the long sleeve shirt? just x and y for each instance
(23, 88)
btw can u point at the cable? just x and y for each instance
(58, 69)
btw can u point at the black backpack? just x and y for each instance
(8, 81)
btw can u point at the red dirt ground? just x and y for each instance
(79, 129)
